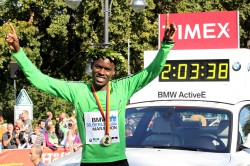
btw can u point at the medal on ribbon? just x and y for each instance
(106, 140)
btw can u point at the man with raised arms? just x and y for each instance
(102, 101)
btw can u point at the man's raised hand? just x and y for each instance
(169, 31)
(13, 40)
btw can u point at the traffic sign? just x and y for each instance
(23, 98)
(23, 102)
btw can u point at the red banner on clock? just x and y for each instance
(203, 30)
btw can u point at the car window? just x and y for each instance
(195, 128)
(244, 123)
(132, 121)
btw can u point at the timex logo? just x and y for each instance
(203, 31)
(209, 31)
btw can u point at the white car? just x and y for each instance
(188, 133)
(184, 133)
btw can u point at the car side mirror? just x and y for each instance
(247, 142)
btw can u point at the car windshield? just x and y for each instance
(188, 128)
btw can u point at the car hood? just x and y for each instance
(170, 157)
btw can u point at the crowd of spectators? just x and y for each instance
(46, 134)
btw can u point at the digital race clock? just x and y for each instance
(195, 70)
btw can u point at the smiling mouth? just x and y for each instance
(100, 79)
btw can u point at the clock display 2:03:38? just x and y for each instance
(195, 70)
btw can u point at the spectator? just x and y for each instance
(70, 136)
(17, 129)
(50, 136)
(129, 131)
(73, 115)
(20, 116)
(27, 123)
(36, 155)
(1, 120)
(64, 120)
(63, 125)
(131, 124)
(24, 142)
(42, 126)
(37, 138)
(64, 130)
(10, 138)
(72, 120)
(19, 123)
(49, 116)
(77, 142)
(58, 131)
(3, 129)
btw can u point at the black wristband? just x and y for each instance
(168, 42)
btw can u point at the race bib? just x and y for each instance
(95, 127)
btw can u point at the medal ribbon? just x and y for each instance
(107, 120)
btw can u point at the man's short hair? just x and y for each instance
(50, 126)
(18, 120)
(119, 61)
(10, 124)
(113, 60)
(26, 111)
(40, 121)
(95, 54)
(38, 150)
(48, 114)
(36, 127)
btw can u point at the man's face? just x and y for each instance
(33, 155)
(131, 121)
(52, 129)
(17, 130)
(63, 115)
(36, 131)
(19, 123)
(24, 115)
(10, 128)
(102, 71)
(42, 125)
(51, 115)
